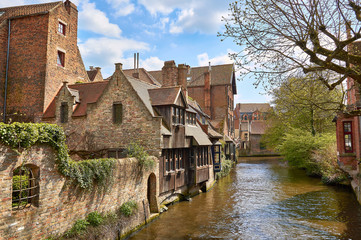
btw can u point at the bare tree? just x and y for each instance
(280, 38)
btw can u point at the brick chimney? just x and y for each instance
(118, 66)
(207, 91)
(170, 74)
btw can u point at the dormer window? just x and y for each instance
(191, 119)
(61, 28)
(178, 116)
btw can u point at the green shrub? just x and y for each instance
(95, 218)
(84, 173)
(78, 227)
(326, 160)
(226, 167)
(137, 151)
(127, 209)
(297, 148)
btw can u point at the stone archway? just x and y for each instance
(152, 193)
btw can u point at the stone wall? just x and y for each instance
(60, 202)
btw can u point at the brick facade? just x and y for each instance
(60, 203)
(33, 75)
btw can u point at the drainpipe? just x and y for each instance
(6, 71)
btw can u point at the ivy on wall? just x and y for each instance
(85, 173)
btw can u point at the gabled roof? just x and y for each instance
(18, 11)
(220, 75)
(143, 76)
(157, 75)
(252, 107)
(142, 90)
(87, 93)
(164, 96)
(214, 134)
(194, 104)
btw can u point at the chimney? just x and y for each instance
(91, 68)
(207, 93)
(65, 83)
(98, 69)
(118, 66)
(170, 74)
(69, 5)
(182, 75)
(136, 66)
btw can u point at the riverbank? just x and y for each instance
(262, 199)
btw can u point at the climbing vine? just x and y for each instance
(86, 173)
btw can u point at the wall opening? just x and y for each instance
(152, 193)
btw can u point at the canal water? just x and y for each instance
(262, 199)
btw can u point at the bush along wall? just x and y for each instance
(86, 173)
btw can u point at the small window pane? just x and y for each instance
(347, 127)
(61, 59)
(348, 142)
(117, 113)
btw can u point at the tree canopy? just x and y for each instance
(282, 38)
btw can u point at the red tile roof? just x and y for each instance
(143, 76)
(25, 10)
(164, 96)
(88, 93)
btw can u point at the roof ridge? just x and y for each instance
(141, 81)
(213, 65)
(30, 5)
(77, 84)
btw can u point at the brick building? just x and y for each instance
(101, 118)
(250, 125)
(38, 51)
(348, 124)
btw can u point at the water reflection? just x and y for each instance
(262, 200)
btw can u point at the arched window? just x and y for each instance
(25, 187)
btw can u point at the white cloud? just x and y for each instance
(121, 7)
(152, 63)
(192, 15)
(96, 21)
(107, 51)
(203, 59)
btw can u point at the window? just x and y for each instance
(171, 159)
(61, 28)
(180, 158)
(117, 113)
(25, 192)
(347, 132)
(178, 116)
(117, 153)
(61, 59)
(64, 112)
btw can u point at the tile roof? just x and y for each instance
(220, 75)
(251, 107)
(142, 90)
(258, 127)
(198, 135)
(164, 96)
(194, 104)
(143, 75)
(157, 75)
(17, 11)
(88, 93)
(214, 134)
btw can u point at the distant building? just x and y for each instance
(38, 51)
(213, 87)
(250, 125)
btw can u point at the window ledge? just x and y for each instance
(180, 170)
(61, 34)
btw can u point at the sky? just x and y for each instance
(111, 31)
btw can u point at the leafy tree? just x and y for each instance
(306, 104)
(283, 37)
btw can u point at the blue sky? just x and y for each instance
(112, 31)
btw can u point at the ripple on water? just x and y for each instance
(262, 200)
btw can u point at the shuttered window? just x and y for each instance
(117, 113)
